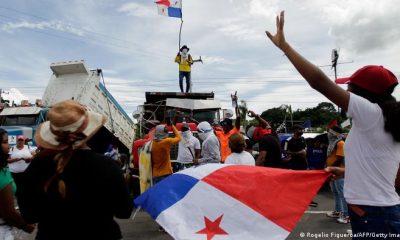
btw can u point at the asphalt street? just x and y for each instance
(313, 225)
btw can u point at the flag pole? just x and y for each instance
(180, 29)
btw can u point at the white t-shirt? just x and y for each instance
(21, 165)
(372, 157)
(243, 158)
(184, 155)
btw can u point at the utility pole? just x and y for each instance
(334, 58)
(334, 63)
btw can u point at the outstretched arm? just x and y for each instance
(263, 123)
(311, 73)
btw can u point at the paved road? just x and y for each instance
(313, 225)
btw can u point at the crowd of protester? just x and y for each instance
(71, 192)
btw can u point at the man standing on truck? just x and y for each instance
(185, 62)
(160, 152)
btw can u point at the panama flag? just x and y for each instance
(170, 8)
(218, 201)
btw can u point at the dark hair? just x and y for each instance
(3, 155)
(337, 129)
(296, 127)
(390, 108)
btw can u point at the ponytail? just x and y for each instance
(391, 113)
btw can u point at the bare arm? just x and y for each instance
(263, 123)
(261, 158)
(8, 212)
(237, 112)
(197, 153)
(311, 73)
(177, 137)
(337, 172)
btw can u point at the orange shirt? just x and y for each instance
(224, 141)
(160, 154)
(338, 152)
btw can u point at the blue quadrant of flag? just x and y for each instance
(165, 194)
(175, 12)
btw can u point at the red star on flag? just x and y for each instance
(212, 228)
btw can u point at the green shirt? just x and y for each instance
(5, 179)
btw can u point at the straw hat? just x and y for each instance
(70, 124)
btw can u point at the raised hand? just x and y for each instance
(279, 38)
(251, 113)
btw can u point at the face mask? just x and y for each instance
(202, 136)
(161, 132)
(186, 134)
(184, 51)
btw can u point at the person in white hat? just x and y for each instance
(210, 152)
(185, 61)
(69, 190)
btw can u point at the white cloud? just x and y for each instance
(136, 47)
(54, 25)
(264, 8)
(137, 10)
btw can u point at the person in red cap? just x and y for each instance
(372, 147)
(269, 146)
(20, 157)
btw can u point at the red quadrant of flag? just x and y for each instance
(280, 195)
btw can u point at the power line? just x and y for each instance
(79, 28)
(91, 40)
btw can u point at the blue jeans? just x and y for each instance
(368, 221)
(187, 76)
(340, 202)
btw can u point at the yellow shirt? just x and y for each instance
(338, 152)
(184, 64)
(160, 154)
(224, 141)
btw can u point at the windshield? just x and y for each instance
(26, 120)
(206, 115)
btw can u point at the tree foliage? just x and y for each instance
(320, 116)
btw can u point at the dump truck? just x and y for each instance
(161, 107)
(73, 80)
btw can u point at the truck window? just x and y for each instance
(208, 116)
(28, 120)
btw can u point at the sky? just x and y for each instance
(135, 47)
